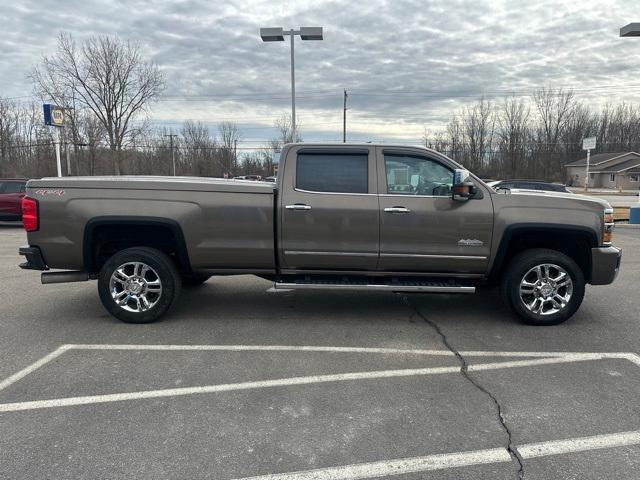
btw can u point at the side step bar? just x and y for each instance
(424, 287)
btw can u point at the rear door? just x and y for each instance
(421, 227)
(329, 215)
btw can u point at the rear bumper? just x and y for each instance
(605, 264)
(33, 255)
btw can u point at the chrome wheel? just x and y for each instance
(546, 289)
(135, 287)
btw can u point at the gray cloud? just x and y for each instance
(406, 63)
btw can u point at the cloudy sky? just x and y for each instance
(405, 64)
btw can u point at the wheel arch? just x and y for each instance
(576, 241)
(98, 230)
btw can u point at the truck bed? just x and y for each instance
(226, 224)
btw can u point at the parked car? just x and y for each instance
(11, 192)
(340, 217)
(531, 185)
(255, 178)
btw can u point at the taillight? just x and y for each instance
(607, 234)
(30, 214)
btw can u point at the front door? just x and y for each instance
(421, 227)
(329, 213)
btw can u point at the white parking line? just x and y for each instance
(306, 380)
(459, 459)
(321, 348)
(34, 366)
(317, 348)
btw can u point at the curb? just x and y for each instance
(631, 226)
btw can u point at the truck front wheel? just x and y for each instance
(139, 284)
(544, 287)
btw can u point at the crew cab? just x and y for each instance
(339, 217)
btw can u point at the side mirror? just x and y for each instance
(463, 188)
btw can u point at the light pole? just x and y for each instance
(277, 34)
(631, 30)
(173, 152)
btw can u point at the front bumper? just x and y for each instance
(34, 258)
(605, 264)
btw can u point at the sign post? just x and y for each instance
(54, 117)
(588, 144)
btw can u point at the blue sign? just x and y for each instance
(53, 115)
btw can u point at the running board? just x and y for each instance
(422, 287)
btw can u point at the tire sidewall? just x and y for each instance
(166, 271)
(526, 261)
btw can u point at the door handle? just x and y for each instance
(298, 206)
(397, 210)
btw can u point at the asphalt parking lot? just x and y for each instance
(239, 383)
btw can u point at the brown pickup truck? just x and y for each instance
(340, 217)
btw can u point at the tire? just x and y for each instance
(543, 287)
(194, 280)
(144, 280)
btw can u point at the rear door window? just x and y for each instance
(333, 172)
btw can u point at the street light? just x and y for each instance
(173, 152)
(631, 30)
(277, 34)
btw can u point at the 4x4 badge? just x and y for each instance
(470, 242)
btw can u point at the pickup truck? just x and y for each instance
(340, 217)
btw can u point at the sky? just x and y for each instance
(406, 65)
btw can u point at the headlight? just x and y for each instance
(607, 234)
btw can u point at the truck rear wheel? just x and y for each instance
(544, 287)
(139, 284)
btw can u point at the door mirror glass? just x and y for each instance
(463, 188)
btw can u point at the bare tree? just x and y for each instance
(90, 134)
(437, 141)
(513, 135)
(200, 150)
(554, 108)
(285, 130)
(456, 138)
(478, 125)
(229, 137)
(9, 118)
(106, 75)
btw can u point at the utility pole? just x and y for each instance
(344, 117)
(235, 157)
(173, 152)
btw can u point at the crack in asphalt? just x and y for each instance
(515, 456)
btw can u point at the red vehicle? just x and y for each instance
(11, 192)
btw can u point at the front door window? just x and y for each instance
(413, 175)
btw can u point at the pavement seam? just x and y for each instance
(515, 456)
